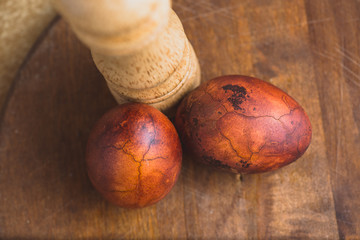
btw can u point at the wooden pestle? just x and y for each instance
(138, 45)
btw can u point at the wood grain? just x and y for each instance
(336, 58)
(308, 48)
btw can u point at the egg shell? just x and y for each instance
(133, 155)
(243, 125)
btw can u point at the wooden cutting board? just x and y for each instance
(309, 48)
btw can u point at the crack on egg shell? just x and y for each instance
(243, 160)
(138, 188)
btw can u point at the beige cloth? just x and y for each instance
(21, 23)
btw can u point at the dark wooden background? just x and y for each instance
(310, 49)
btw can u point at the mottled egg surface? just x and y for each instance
(133, 155)
(242, 124)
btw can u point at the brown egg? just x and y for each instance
(243, 125)
(133, 155)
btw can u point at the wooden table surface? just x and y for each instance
(310, 49)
